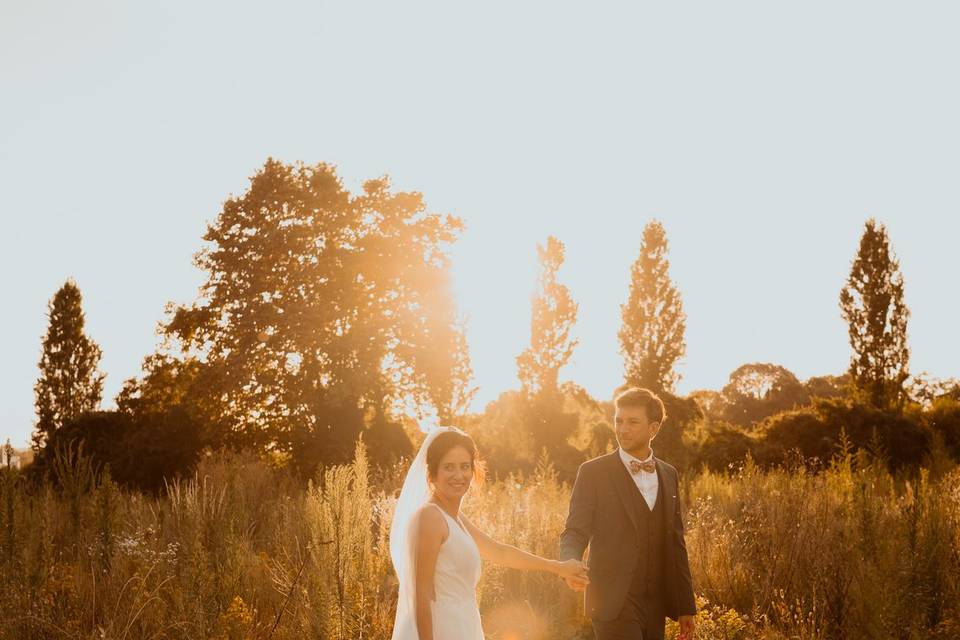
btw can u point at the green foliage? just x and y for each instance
(325, 315)
(502, 437)
(167, 382)
(682, 415)
(552, 318)
(553, 315)
(943, 418)
(172, 418)
(925, 389)
(70, 382)
(321, 306)
(652, 333)
(814, 432)
(928, 436)
(758, 390)
(502, 434)
(872, 304)
(719, 446)
(827, 386)
(142, 450)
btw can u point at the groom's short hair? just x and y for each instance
(640, 397)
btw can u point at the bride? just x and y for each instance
(436, 550)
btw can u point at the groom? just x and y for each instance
(625, 506)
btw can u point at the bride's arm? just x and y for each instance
(431, 531)
(510, 556)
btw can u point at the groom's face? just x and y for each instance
(634, 430)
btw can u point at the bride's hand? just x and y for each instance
(573, 569)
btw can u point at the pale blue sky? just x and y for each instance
(762, 134)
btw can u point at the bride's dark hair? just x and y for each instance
(446, 441)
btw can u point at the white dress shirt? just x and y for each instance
(647, 483)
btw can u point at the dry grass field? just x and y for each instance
(240, 551)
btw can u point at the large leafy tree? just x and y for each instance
(553, 314)
(652, 333)
(70, 381)
(324, 311)
(760, 389)
(872, 304)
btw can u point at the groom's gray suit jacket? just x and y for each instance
(602, 515)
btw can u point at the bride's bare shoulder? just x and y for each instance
(429, 519)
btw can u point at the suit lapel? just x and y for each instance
(668, 491)
(624, 487)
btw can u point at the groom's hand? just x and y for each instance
(686, 628)
(577, 583)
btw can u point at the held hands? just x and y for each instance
(577, 583)
(574, 573)
(686, 628)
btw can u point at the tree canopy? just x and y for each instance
(324, 311)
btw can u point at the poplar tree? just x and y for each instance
(70, 382)
(872, 304)
(553, 315)
(652, 332)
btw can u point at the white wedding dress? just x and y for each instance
(455, 613)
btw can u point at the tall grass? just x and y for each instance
(241, 551)
(850, 552)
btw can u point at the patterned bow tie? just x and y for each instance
(636, 466)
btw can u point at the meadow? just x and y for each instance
(242, 551)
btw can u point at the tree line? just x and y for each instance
(327, 316)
